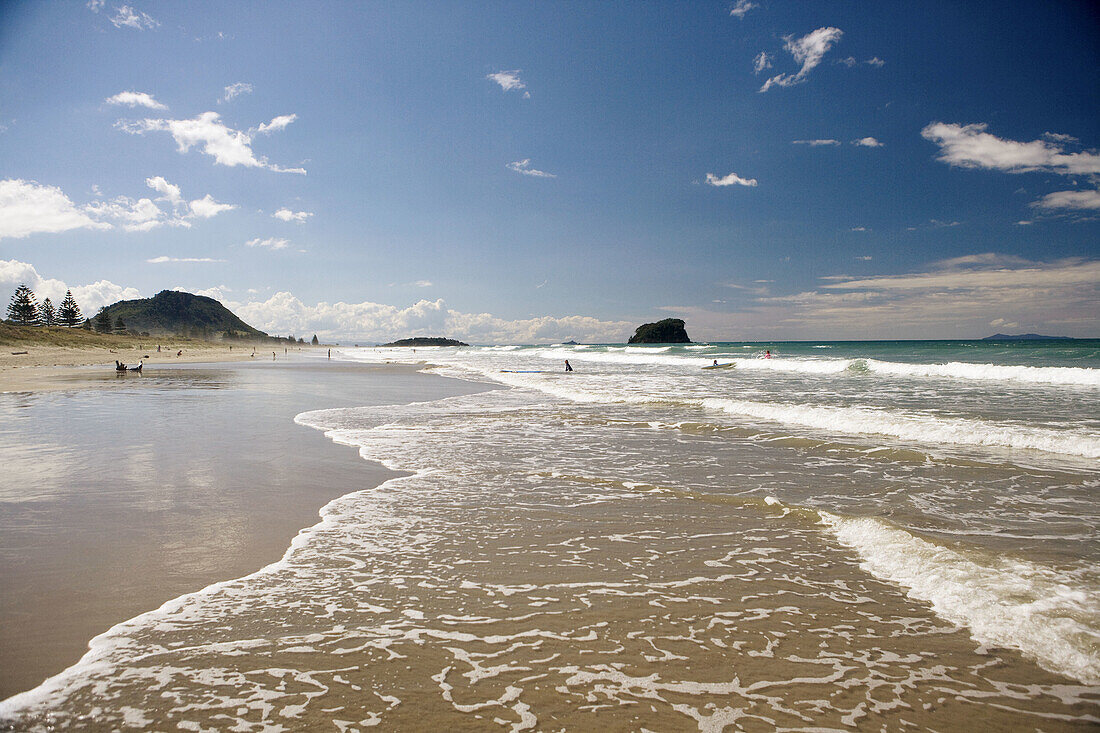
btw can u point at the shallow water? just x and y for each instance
(646, 544)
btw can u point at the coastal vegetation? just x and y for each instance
(668, 331)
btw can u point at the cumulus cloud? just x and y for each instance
(970, 146)
(730, 179)
(227, 146)
(524, 167)
(368, 321)
(285, 214)
(235, 90)
(867, 142)
(163, 259)
(171, 193)
(207, 207)
(136, 99)
(816, 143)
(269, 243)
(741, 8)
(807, 51)
(89, 297)
(27, 207)
(126, 17)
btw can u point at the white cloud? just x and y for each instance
(868, 142)
(807, 51)
(133, 215)
(860, 229)
(816, 143)
(1083, 200)
(127, 17)
(864, 258)
(96, 5)
(89, 297)
(136, 99)
(1060, 138)
(875, 61)
(849, 62)
(423, 283)
(227, 146)
(235, 90)
(287, 215)
(269, 243)
(27, 207)
(970, 146)
(368, 322)
(508, 80)
(207, 207)
(277, 124)
(524, 167)
(729, 180)
(171, 193)
(760, 62)
(162, 259)
(742, 7)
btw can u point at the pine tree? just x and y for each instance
(69, 313)
(315, 341)
(46, 313)
(120, 326)
(23, 310)
(103, 321)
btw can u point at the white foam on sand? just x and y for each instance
(1002, 601)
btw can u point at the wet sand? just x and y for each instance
(121, 492)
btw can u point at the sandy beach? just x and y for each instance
(125, 491)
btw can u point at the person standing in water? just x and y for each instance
(567, 367)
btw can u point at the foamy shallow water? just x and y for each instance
(608, 548)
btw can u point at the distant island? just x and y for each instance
(433, 341)
(668, 331)
(1026, 337)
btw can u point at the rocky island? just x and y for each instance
(429, 341)
(668, 331)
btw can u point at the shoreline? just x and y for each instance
(116, 546)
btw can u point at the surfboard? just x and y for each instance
(730, 365)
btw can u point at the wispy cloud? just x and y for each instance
(509, 81)
(816, 143)
(269, 243)
(807, 51)
(868, 142)
(126, 17)
(227, 146)
(287, 215)
(730, 179)
(1080, 200)
(524, 167)
(235, 90)
(163, 259)
(135, 99)
(741, 8)
(761, 61)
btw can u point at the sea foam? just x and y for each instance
(1003, 602)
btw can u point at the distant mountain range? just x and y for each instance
(1025, 337)
(172, 312)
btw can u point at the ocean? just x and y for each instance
(844, 536)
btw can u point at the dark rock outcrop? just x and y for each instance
(668, 331)
(432, 341)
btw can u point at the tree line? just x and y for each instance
(25, 310)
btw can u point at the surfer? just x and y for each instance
(715, 362)
(567, 367)
(767, 353)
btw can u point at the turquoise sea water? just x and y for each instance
(846, 535)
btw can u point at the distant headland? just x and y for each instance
(668, 331)
(432, 341)
(1026, 337)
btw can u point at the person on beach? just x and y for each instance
(179, 353)
(330, 353)
(567, 367)
(767, 353)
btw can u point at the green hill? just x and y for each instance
(172, 312)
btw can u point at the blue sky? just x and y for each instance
(528, 172)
